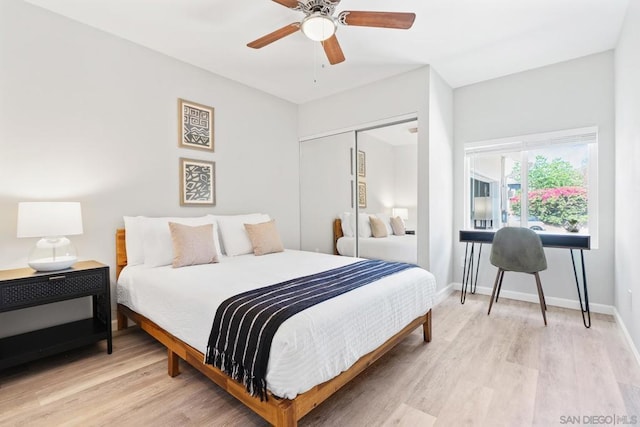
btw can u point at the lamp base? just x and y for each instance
(52, 253)
(49, 264)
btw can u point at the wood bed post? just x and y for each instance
(122, 321)
(426, 328)
(173, 365)
(337, 233)
(286, 416)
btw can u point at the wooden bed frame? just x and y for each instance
(277, 411)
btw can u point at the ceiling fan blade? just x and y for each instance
(333, 50)
(275, 36)
(292, 4)
(399, 20)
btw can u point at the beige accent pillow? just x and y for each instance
(378, 229)
(397, 224)
(264, 237)
(192, 245)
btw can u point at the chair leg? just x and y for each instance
(495, 287)
(543, 305)
(500, 285)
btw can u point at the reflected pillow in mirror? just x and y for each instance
(378, 229)
(397, 224)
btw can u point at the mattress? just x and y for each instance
(391, 248)
(309, 348)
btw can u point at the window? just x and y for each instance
(546, 182)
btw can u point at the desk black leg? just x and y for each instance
(584, 308)
(468, 281)
(475, 282)
(463, 290)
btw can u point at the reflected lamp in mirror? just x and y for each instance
(51, 221)
(482, 213)
(401, 212)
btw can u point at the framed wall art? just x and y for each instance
(196, 125)
(362, 194)
(362, 164)
(197, 182)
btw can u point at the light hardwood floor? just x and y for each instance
(506, 369)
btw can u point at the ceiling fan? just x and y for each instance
(319, 24)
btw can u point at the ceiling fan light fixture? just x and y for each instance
(318, 27)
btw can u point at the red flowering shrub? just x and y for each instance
(555, 205)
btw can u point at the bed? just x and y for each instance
(148, 296)
(391, 248)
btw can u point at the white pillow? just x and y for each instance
(364, 227)
(134, 237)
(218, 239)
(346, 219)
(158, 246)
(234, 236)
(387, 222)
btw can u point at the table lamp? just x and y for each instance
(482, 212)
(401, 212)
(51, 221)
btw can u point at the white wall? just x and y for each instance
(441, 143)
(401, 95)
(571, 94)
(396, 96)
(627, 175)
(89, 117)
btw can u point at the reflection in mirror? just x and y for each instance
(327, 192)
(387, 196)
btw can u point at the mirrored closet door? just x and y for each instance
(387, 196)
(327, 192)
(365, 178)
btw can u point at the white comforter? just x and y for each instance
(309, 348)
(391, 248)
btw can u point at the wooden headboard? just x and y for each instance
(337, 233)
(121, 251)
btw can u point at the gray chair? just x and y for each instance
(520, 250)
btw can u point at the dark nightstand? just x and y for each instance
(24, 287)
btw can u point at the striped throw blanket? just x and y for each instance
(245, 324)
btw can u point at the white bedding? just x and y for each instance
(309, 348)
(391, 248)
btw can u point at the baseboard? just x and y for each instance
(626, 334)
(556, 302)
(443, 293)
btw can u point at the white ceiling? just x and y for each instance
(466, 41)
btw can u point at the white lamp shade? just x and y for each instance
(482, 209)
(318, 27)
(401, 212)
(47, 219)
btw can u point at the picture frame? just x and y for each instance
(197, 182)
(362, 164)
(362, 194)
(195, 125)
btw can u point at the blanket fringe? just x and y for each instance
(223, 361)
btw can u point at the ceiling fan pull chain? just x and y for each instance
(315, 63)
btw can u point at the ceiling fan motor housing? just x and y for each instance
(324, 7)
